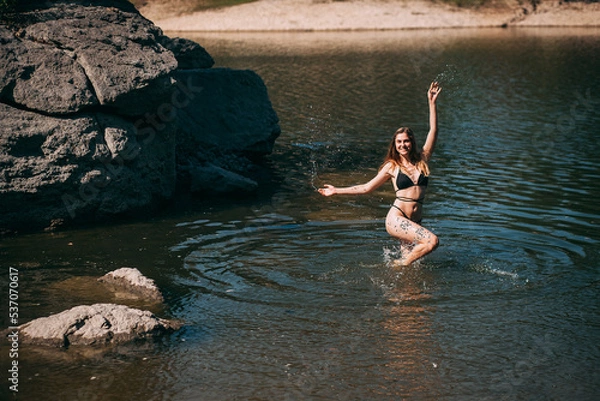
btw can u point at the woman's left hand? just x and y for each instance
(328, 190)
(434, 91)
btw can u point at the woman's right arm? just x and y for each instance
(382, 176)
(432, 95)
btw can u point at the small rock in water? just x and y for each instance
(97, 324)
(133, 281)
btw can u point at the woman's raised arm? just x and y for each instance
(432, 94)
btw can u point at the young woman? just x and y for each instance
(409, 172)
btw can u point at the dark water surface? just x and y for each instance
(289, 296)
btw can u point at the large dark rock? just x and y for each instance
(101, 115)
(118, 52)
(41, 78)
(228, 101)
(190, 55)
(229, 114)
(87, 166)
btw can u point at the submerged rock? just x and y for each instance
(98, 324)
(132, 281)
(101, 115)
(217, 179)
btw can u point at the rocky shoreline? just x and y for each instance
(327, 15)
(102, 116)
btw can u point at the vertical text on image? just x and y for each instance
(13, 337)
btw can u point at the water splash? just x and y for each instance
(456, 80)
(450, 76)
(393, 257)
(391, 254)
(314, 175)
(488, 269)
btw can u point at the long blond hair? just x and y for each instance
(414, 156)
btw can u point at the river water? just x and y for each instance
(290, 295)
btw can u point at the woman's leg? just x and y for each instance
(407, 231)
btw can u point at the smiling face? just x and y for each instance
(403, 144)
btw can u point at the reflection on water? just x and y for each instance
(290, 296)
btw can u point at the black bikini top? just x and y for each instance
(403, 181)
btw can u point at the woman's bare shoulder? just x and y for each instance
(389, 167)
